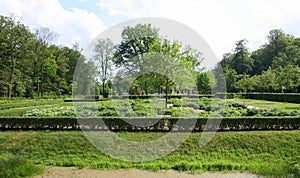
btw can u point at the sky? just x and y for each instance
(220, 22)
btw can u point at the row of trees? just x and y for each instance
(142, 63)
(147, 63)
(31, 65)
(274, 67)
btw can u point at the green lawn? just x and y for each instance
(266, 153)
(263, 104)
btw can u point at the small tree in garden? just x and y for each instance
(245, 83)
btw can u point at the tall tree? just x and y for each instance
(263, 57)
(230, 79)
(241, 62)
(135, 42)
(14, 37)
(45, 37)
(103, 58)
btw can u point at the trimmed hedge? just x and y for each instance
(281, 97)
(26, 103)
(164, 124)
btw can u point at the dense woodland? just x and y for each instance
(33, 66)
(274, 67)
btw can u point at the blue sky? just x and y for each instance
(221, 23)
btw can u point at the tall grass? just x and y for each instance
(269, 153)
(15, 167)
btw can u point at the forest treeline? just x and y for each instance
(33, 66)
(274, 67)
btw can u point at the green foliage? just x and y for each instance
(55, 111)
(205, 82)
(231, 79)
(15, 167)
(103, 59)
(31, 65)
(269, 153)
(241, 61)
(273, 68)
(10, 104)
(245, 83)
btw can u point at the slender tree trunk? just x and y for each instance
(146, 88)
(11, 76)
(42, 81)
(103, 89)
(167, 87)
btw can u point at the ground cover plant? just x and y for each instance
(190, 107)
(270, 153)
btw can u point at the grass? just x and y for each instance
(17, 112)
(263, 104)
(270, 153)
(14, 167)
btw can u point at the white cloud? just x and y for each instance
(73, 26)
(220, 22)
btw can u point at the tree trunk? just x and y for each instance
(167, 87)
(42, 81)
(104, 94)
(11, 76)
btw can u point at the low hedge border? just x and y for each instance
(164, 124)
(280, 97)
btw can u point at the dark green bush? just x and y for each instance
(250, 123)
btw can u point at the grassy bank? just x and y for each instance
(274, 153)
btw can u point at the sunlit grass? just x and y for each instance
(263, 104)
(265, 153)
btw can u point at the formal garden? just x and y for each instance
(52, 97)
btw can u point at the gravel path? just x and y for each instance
(71, 172)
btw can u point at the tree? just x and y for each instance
(241, 62)
(44, 38)
(135, 42)
(103, 58)
(291, 55)
(205, 82)
(288, 78)
(268, 81)
(263, 57)
(245, 83)
(227, 61)
(14, 40)
(230, 79)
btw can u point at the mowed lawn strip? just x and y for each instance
(263, 104)
(274, 153)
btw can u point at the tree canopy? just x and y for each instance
(33, 66)
(274, 67)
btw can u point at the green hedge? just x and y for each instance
(164, 124)
(10, 104)
(281, 97)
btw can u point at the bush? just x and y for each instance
(184, 112)
(253, 123)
